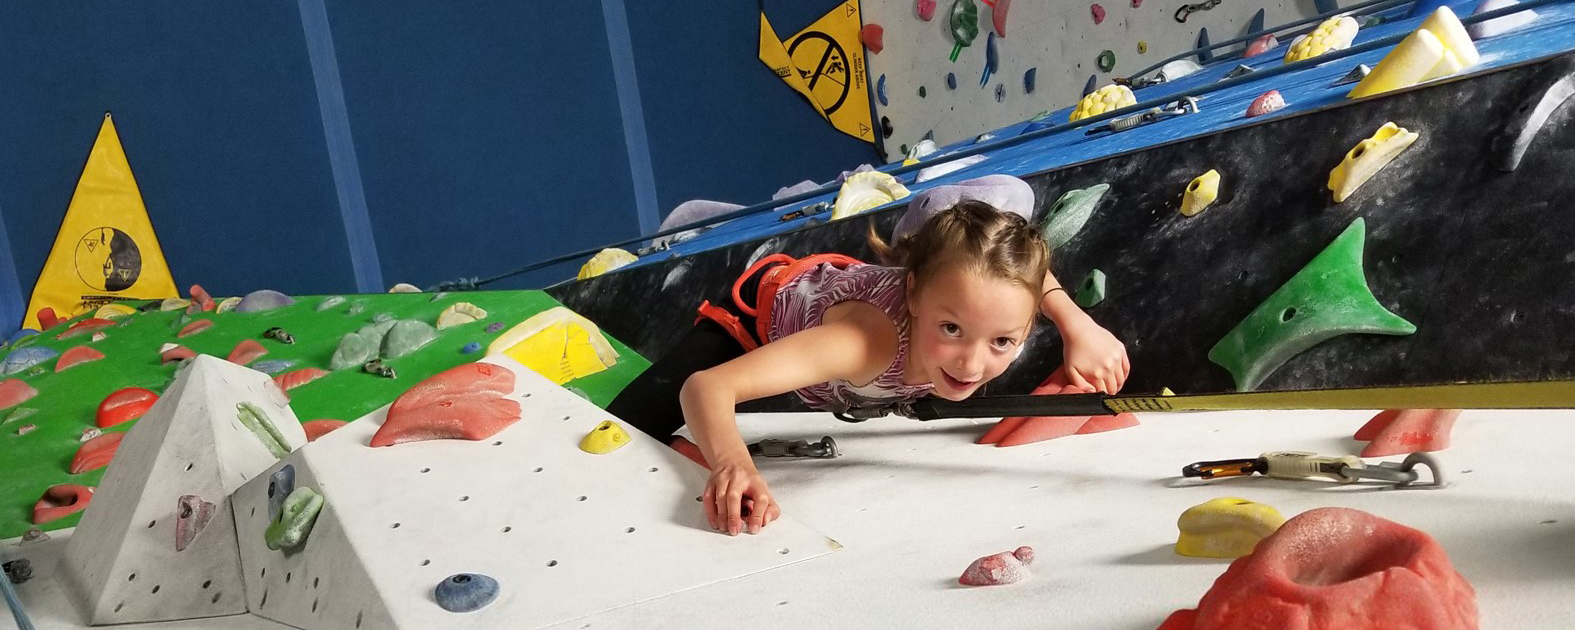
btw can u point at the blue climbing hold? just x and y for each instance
(1028, 80)
(280, 484)
(992, 60)
(1425, 7)
(23, 358)
(466, 592)
(471, 348)
(1257, 22)
(1205, 54)
(880, 89)
(951, 81)
(21, 334)
(272, 366)
(1093, 84)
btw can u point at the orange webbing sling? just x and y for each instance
(779, 270)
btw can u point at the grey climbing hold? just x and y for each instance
(280, 484)
(355, 309)
(354, 349)
(1239, 70)
(1092, 291)
(263, 300)
(382, 317)
(471, 348)
(1177, 69)
(951, 81)
(1000, 92)
(1091, 85)
(330, 302)
(1066, 218)
(1257, 22)
(407, 336)
(191, 516)
(1205, 54)
(466, 592)
(273, 366)
(23, 358)
(494, 327)
(1356, 74)
(1540, 99)
(1029, 80)
(880, 89)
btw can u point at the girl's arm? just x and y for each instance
(1093, 357)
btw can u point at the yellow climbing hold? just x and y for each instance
(863, 191)
(557, 343)
(1200, 193)
(605, 261)
(1439, 48)
(1165, 391)
(1226, 527)
(1334, 33)
(1105, 99)
(460, 313)
(1367, 158)
(404, 287)
(174, 304)
(227, 304)
(607, 437)
(112, 311)
(1142, 48)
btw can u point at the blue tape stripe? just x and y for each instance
(341, 147)
(634, 139)
(13, 305)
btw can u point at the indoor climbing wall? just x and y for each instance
(1061, 42)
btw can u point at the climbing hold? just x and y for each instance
(319, 428)
(1226, 527)
(1356, 74)
(947, 167)
(1261, 45)
(1176, 69)
(925, 9)
(253, 418)
(921, 95)
(18, 414)
(1090, 86)
(1239, 70)
(1404, 431)
(1105, 99)
(295, 522)
(465, 592)
(1499, 25)
(280, 484)
(1440, 47)
(992, 60)
(1068, 214)
(382, 317)
(297, 378)
(96, 453)
(873, 37)
(1019, 430)
(21, 359)
(951, 81)
(47, 318)
(90, 433)
(1000, 92)
(77, 356)
(1107, 60)
(865, 191)
(14, 392)
(407, 336)
(1337, 568)
(354, 349)
(191, 517)
(246, 351)
(1256, 24)
(171, 352)
(460, 313)
(1028, 80)
(1267, 103)
(123, 405)
(607, 437)
(558, 344)
(471, 348)
(355, 309)
(1540, 97)
(1367, 158)
(273, 366)
(1092, 291)
(195, 327)
(330, 302)
(1205, 54)
(605, 261)
(174, 304)
(1142, 47)
(1165, 391)
(1137, 4)
(1006, 567)
(880, 90)
(404, 287)
(1334, 33)
(200, 300)
(1201, 193)
(1327, 298)
(85, 326)
(1098, 12)
(263, 300)
(113, 311)
(61, 501)
(26, 429)
(1101, 424)
(964, 25)
(464, 402)
(885, 127)
(227, 304)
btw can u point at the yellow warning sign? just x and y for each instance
(105, 249)
(825, 63)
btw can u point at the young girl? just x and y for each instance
(951, 313)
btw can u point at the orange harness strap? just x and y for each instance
(779, 270)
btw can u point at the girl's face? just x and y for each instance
(966, 329)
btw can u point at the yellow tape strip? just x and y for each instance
(1510, 395)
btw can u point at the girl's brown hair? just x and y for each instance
(975, 235)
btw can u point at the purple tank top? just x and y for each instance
(801, 304)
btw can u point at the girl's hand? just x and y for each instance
(736, 499)
(1094, 358)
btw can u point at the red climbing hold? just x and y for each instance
(124, 406)
(690, 450)
(1405, 431)
(296, 378)
(200, 300)
(1337, 568)
(1101, 424)
(76, 356)
(926, 9)
(319, 428)
(86, 326)
(15, 391)
(176, 353)
(1269, 102)
(246, 351)
(1137, 4)
(195, 327)
(96, 453)
(873, 37)
(1099, 13)
(1006, 567)
(465, 402)
(47, 318)
(61, 501)
(1261, 45)
(998, 16)
(1020, 430)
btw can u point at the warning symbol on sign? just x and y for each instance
(825, 63)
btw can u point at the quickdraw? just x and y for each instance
(1189, 9)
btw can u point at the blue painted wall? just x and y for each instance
(481, 136)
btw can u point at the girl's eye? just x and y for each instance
(1004, 343)
(951, 329)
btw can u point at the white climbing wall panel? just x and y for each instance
(1058, 37)
(121, 565)
(567, 534)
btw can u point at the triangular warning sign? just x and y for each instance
(105, 249)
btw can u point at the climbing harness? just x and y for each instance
(1306, 465)
(1189, 9)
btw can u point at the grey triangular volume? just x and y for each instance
(1205, 54)
(121, 565)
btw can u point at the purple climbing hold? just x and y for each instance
(263, 300)
(494, 327)
(1028, 80)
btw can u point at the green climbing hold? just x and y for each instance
(407, 336)
(921, 91)
(1107, 61)
(904, 149)
(1327, 298)
(1066, 218)
(253, 418)
(295, 522)
(1092, 291)
(965, 25)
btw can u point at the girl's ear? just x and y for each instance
(908, 285)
